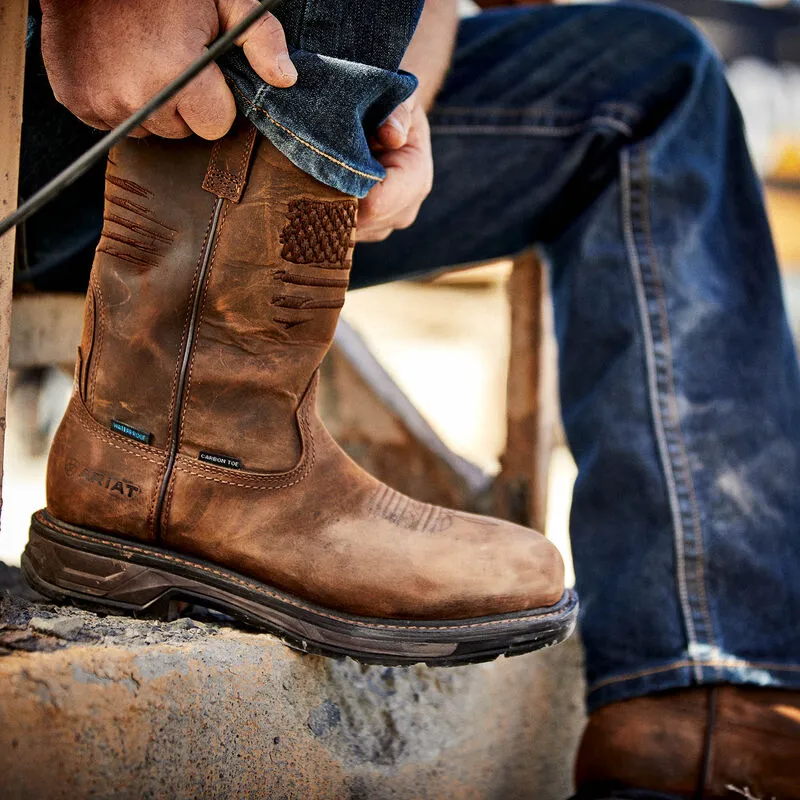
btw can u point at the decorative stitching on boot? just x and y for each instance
(130, 205)
(110, 442)
(137, 227)
(318, 232)
(263, 482)
(201, 312)
(304, 303)
(393, 506)
(137, 261)
(284, 276)
(173, 398)
(129, 186)
(288, 324)
(171, 488)
(176, 376)
(223, 182)
(100, 325)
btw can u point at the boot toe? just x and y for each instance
(496, 567)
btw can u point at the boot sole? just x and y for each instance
(67, 563)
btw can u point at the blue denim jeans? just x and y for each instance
(347, 54)
(607, 136)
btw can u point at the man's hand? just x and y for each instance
(106, 58)
(403, 146)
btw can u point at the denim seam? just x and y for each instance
(671, 398)
(662, 398)
(533, 130)
(628, 110)
(301, 42)
(716, 664)
(300, 139)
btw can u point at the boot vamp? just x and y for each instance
(335, 536)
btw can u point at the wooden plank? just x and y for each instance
(45, 329)
(377, 425)
(783, 208)
(520, 492)
(381, 429)
(13, 26)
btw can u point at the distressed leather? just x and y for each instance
(658, 742)
(297, 513)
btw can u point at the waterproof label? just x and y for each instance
(131, 433)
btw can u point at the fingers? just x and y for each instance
(264, 43)
(93, 121)
(394, 131)
(167, 124)
(206, 105)
(394, 204)
(384, 210)
(101, 125)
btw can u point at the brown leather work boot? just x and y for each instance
(191, 464)
(714, 742)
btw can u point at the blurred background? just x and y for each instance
(446, 342)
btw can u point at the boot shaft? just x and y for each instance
(214, 296)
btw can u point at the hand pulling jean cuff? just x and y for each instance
(322, 123)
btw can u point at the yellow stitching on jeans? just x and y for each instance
(534, 111)
(304, 142)
(685, 467)
(631, 191)
(501, 127)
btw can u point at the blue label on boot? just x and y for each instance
(131, 433)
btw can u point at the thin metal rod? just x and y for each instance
(99, 150)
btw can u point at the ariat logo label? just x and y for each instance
(131, 433)
(111, 483)
(220, 461)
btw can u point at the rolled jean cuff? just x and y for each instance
(321, 123)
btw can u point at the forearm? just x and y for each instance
(428, 56)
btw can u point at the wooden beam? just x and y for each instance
(45, 329)
(13, 27)
(520, 492)
(380, 428)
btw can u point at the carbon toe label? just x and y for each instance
(220, 461)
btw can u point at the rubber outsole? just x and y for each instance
(104, 573)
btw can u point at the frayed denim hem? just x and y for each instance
(682, 674)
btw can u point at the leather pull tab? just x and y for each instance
(226, 175)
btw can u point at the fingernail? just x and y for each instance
(286, 66)
(398, 125)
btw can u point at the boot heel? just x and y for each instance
(67, 574)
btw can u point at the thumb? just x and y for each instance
(264, 42)
(393, 133)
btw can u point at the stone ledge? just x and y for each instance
(110, 707)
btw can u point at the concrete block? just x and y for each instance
(109, 707)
